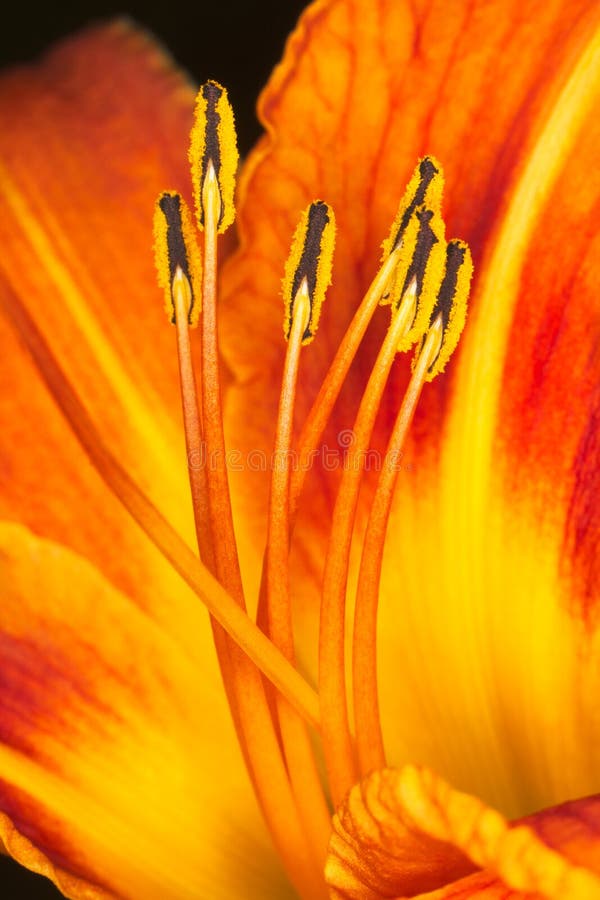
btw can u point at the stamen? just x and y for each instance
(308, 264)
(319, 414)
(177, 248)
(179, 268)
(251, 711)
(213, 142)
(450, 306)
(304, 777)
(337, 741)
(221, 517)
(424, 188)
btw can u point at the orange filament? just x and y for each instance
(259, 739)
(192, 418)
(277, 572)
(220, 515)
(369, 740)
(192, 421)
(304, 777)
(319, 414)
(337, 740)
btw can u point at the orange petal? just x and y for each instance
(405, 831)
(377, 851)
(479, 663)
(360, 95)
(572, 830)
(97, 129)
(118, 765)
(508, 514)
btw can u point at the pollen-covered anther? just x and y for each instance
(418, 273)
(308, 267)
(451, 304)
(425, 188)
(177, 256)
(213, 146)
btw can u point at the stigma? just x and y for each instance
(424, 280)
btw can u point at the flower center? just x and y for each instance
(425, 282)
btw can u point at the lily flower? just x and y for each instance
(401, 566)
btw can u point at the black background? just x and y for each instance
(237, 42)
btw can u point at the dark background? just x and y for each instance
(236, 42)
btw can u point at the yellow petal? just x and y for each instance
(117, 756)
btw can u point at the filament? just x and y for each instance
(369, 740)
(304, 778)
(337, 740)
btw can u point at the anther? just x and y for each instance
(425, 188)
(451, 304)
(213, 145)
(309, 264)
(177, 256)
(420, 267)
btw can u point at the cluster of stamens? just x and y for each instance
(425, 281)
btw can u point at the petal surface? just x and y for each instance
(571, 830)
(401, 832)
(498, 482)
(117, 760)
(88, 138)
